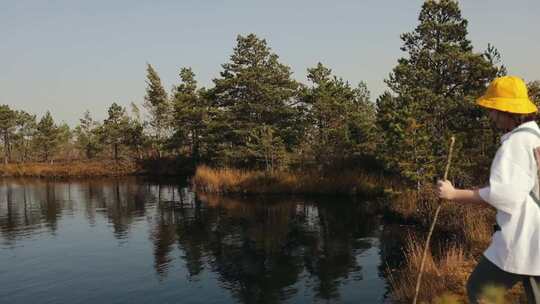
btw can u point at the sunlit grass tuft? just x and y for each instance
(69, 169)
(228, 180)
(442, 275)
(468, 226)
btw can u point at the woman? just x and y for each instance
(514, 253)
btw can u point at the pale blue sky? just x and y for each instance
(68, 56)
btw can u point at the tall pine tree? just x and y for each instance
(434, 88)
(8, 120)
(254, 89)
(87, 136)
(158, 105)
(341, 120)
(114, 129)
(191, 111)
(25, 131)
(47, 137)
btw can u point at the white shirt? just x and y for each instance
(516, 247)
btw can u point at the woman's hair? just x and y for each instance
(522, 118)
(518, 119)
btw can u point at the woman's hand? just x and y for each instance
(445, 190)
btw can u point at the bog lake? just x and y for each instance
(138, 240)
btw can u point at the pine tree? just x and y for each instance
(341, 119)
(434, 90)
(190, 113)
(26, 128)
(361, 126)
(8, 119)
(266, 148)
(159, 107)
(254, 89)
(47, 137)
(136, 138)
(65, 143)
(87, 137)
(114, 129)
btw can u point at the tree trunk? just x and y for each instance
(195, 152)
(6, 148)
(88, 153)
(24, 155)
(115, 151)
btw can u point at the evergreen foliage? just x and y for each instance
(47, 137)
(158, 105)
(26, 127)
(114, 130)
(136, 139)
(8, 120)
(534, 91)
(254, 89)
(87, 135)
(191, 113)
(340, 120)
(434, 88)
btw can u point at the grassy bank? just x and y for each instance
(462, 233)
(227, 180)
(70, 169)
(100, 168)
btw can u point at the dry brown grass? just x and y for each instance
(468, 226)
(69, 169)
(227, 180)
(442, 275)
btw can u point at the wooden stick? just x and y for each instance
(426, 246)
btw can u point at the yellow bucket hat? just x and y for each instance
(507, 94)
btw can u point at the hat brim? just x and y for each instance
(511, 105)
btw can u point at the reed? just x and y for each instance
(469, 226)
(445, 277)
(69, 169)
(228, 180)
(442, 275)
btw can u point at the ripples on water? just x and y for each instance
(137, 241)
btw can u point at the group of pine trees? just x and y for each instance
(22, 135)
(257, 116)
(27, 139)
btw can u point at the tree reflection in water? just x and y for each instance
(25, 209)
(262, 249)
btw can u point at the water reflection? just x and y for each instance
(261, 247)
(24, 210)
(261, 250)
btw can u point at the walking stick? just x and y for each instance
(426, 246)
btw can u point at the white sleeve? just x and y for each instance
(509, 181)
(484, 193)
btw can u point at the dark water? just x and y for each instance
(136, 241)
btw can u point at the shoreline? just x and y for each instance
(229, 181)
(72, 169)
(96, 168)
